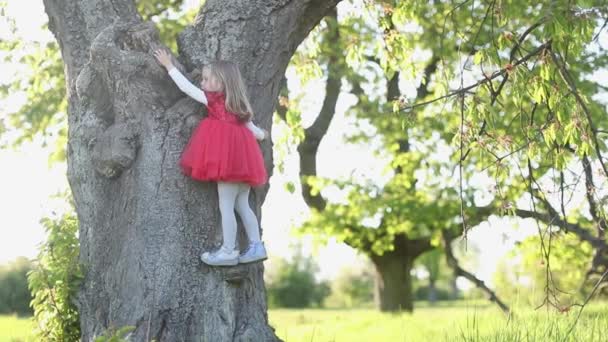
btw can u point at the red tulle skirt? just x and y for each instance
(223, 151)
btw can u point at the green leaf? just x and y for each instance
(290, 187)
(478, 57)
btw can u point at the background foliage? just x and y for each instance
(14, 294)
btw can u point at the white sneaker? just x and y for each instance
(221, 257)
(207, 254)
(255, 252)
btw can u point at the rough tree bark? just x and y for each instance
(143, 224)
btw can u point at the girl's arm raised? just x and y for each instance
(194, 92)
(184, 85)
(180, 80)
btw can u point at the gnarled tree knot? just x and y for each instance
(115, 150)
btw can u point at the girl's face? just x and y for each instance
(210, 82)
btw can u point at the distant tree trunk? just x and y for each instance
(393, 282)
(454, 293)
(142, 223)
(432, 292)
(597, 271)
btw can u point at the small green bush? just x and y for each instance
(351, 288)
(293, 284)
(54, 281)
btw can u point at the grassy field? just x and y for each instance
(464, 322)
(15, 329)
(461, 321)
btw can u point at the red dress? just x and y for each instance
(222, 148)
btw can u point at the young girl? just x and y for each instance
(223, 149)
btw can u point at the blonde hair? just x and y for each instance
(237, 100)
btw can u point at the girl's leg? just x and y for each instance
(247, 216)
(256, 250)
(227, 193)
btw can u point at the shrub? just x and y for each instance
(352, 288)
(293, 285)
(14, 294)
(54, 281)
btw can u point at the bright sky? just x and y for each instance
(26, 182)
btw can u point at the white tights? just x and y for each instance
(236, 196)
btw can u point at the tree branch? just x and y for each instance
(429, 70)
(497, 92)
(313, 135)
(496, 74)
(553, 219)
(392, 92)
(570, 82)
(600, 256)
(413, 247)
(453, 263)
(281, 108)
(594, 209)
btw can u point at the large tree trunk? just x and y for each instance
(393, 282)
(143, 224)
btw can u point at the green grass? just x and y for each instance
(16, 329)
(451, 322)
(459, 321)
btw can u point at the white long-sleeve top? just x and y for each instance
(197, 94)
